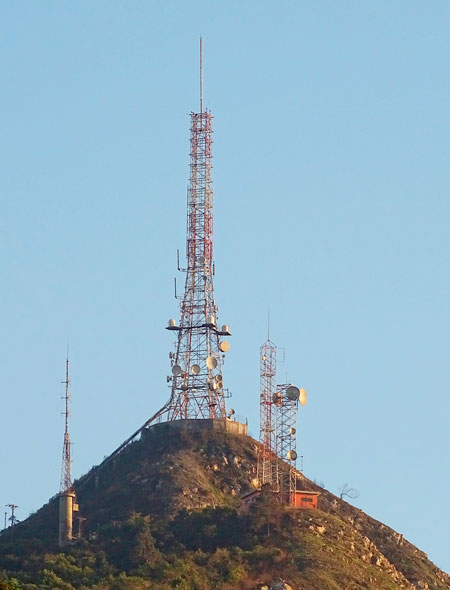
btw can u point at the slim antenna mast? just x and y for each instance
(66, 396)
(201, 78)
(66, 475)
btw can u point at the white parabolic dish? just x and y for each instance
(303, 397)
(211, 362)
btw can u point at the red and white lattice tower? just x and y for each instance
(267, 470)
(197, 389)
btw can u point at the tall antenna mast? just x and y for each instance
(66, 475)
(201, 77)
(197, 389)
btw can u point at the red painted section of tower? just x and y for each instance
(197, 389)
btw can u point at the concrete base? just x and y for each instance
(203, 424)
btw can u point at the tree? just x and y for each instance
(345, 491)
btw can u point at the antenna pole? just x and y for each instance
(66, 475)
(66, 396)
(201, 77)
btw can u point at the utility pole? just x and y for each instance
(12, 518)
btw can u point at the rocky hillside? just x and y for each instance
(165, 514)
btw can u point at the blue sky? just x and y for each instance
(332, 208)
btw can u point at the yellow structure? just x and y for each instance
(66, 509)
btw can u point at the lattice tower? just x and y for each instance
(267, 470)
(66, 475)
(286, 441)
(197, 389)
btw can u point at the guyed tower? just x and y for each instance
(197, 389)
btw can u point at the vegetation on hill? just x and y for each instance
(166, 516)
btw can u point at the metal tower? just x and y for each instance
(197, 389)
(67, 497)
(286, 436)
(267, 471)
(287, 399)
(66, 475)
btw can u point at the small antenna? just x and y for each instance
(201, 78)
(268, 323)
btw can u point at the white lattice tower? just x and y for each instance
(286, 440)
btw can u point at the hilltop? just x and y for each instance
(164, 514)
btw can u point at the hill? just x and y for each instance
(165, 514)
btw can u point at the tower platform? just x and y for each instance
(202, 424)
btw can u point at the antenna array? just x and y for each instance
(277, 452)
(197, 389)
(66, 475)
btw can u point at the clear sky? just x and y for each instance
(331, 175)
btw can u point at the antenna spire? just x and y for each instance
(201, 76)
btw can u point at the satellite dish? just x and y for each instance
(219, 377)
(303, 397)
(201, 260)
(224, 346)
(171, 323)
(292, 431)
(292, 455)
(276, 398)
(292, 393)
(184, 387)
(211, 362)
(176, 370)
(195, 369)
(212, 385)
(231, 412)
